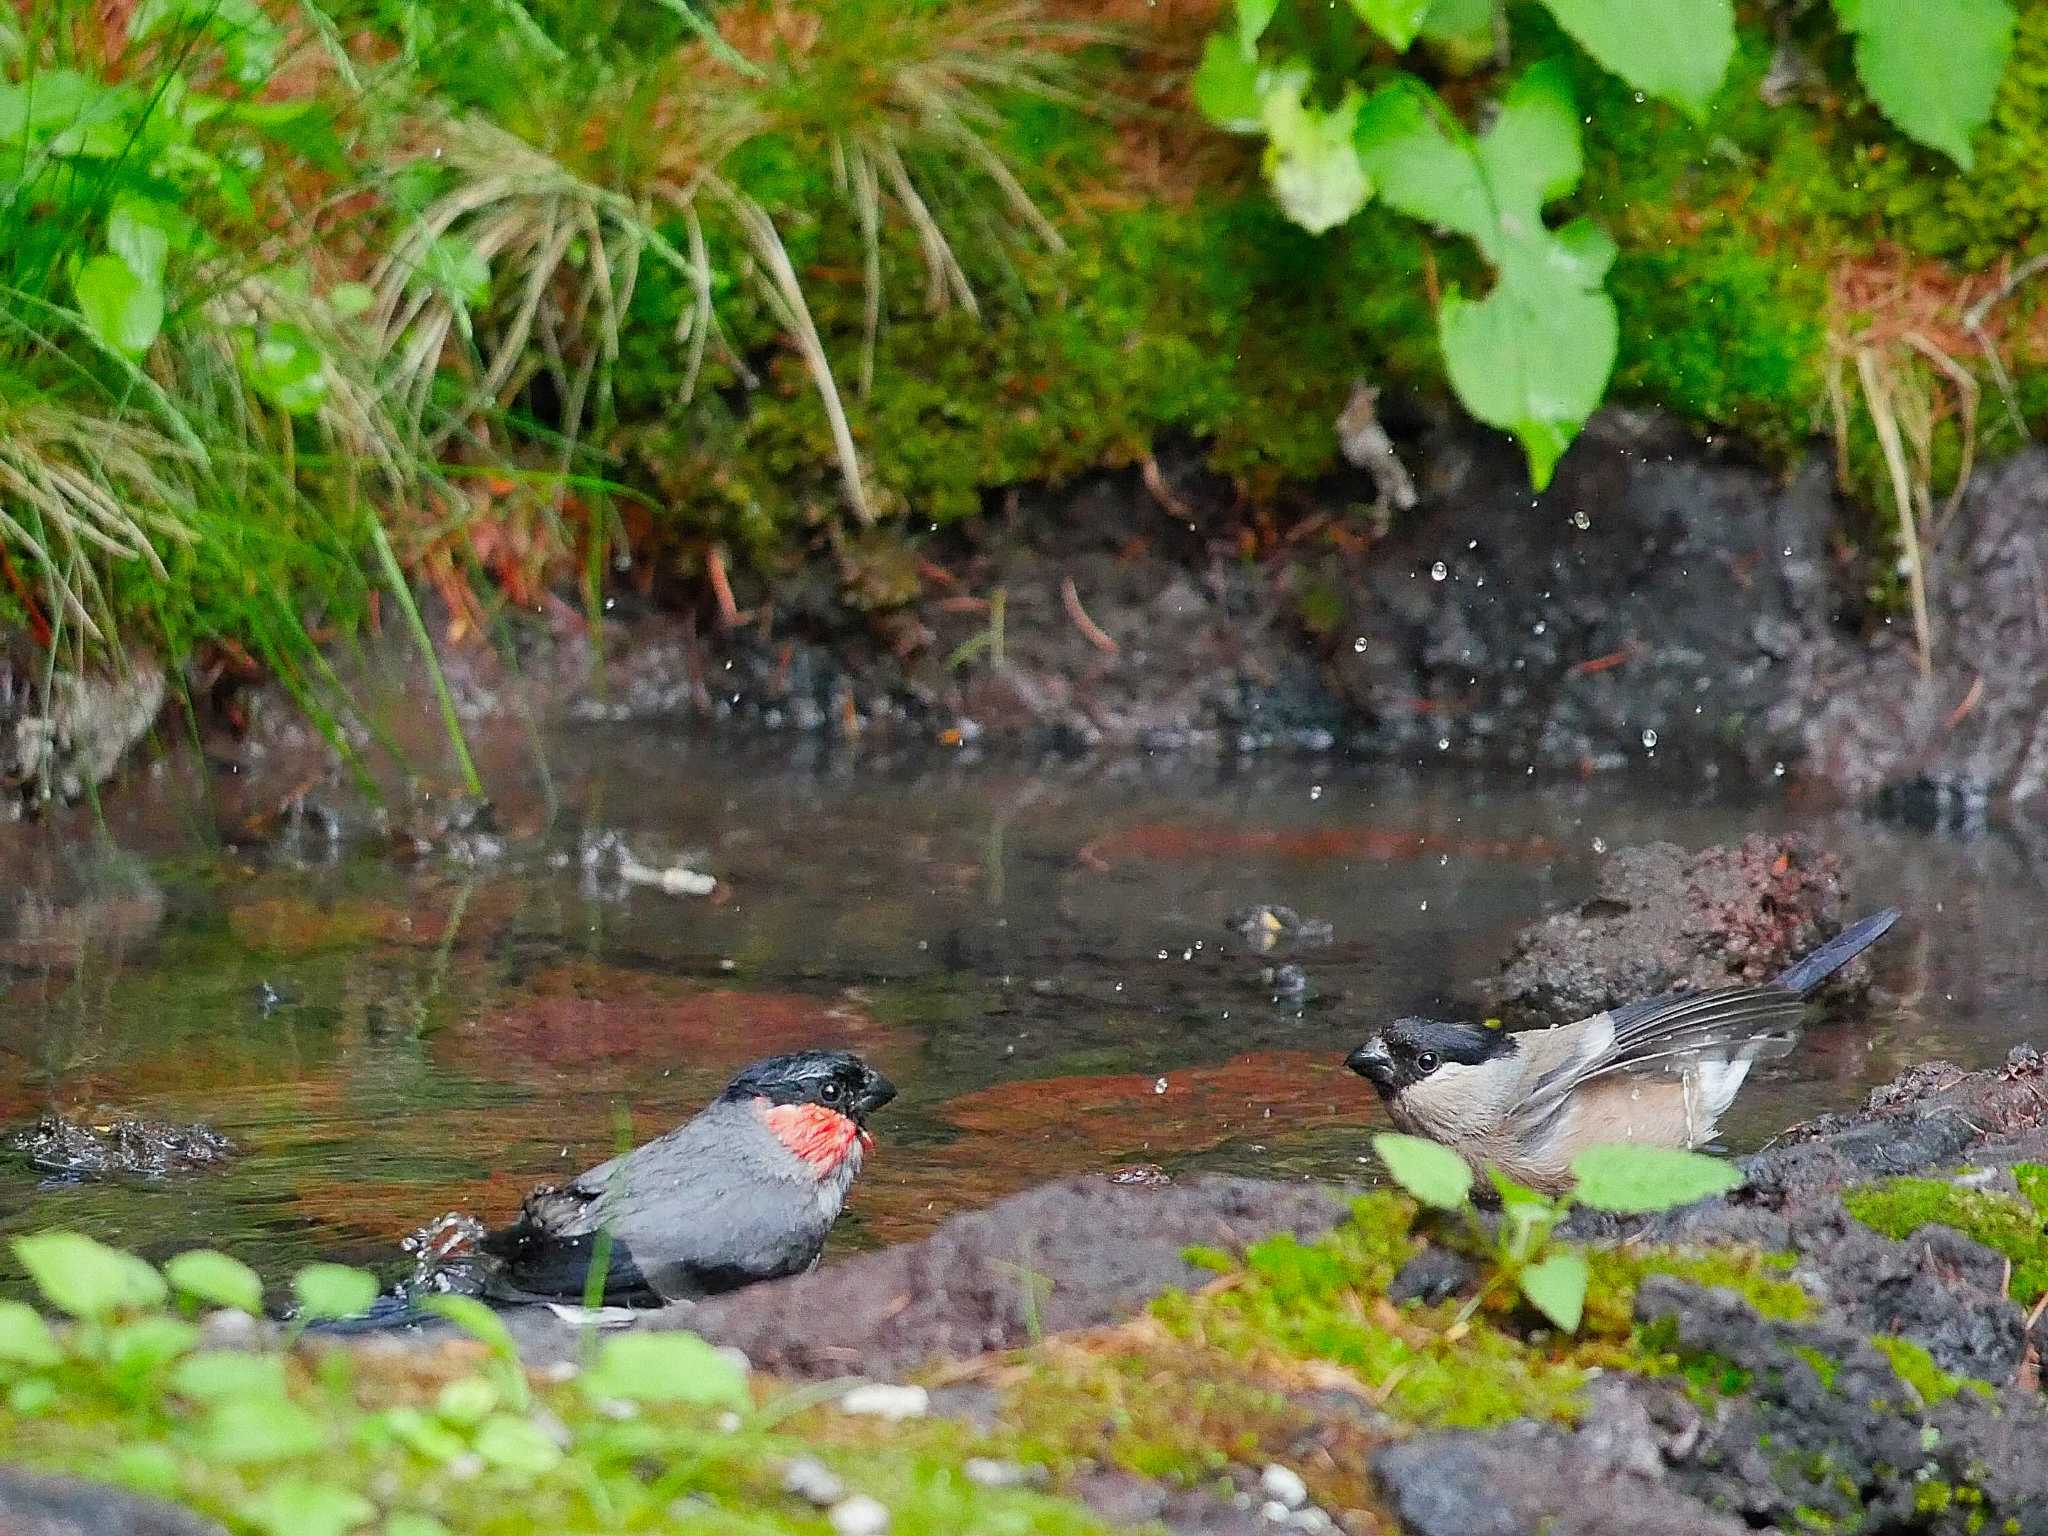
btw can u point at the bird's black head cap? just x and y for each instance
(1408, 1050)
(835, 1079)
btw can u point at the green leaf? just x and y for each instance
(1398, 21)
(87, 1278)
(333, 1290)
(666, 1368)
(1674, 49)
(218, 1375)
(32, 1396)
(406, 1523)
(247, 1430)
(516, 1444)
(1533, 358)
(1530, 155)
(1461, 29)
(466, 1400)
(149, 1343)
(1253, 17)
(1311, 158)
(454, 266)
(121, 306)
(1422, 162)
(348, 300)
(1932, 66)
(139, 234)
(1433, 1174)
(146, 1468)
(1556, 1287)
(285, 366)
(215, 1279)
(1226, 85)
(1635, 1179)
(300, 1508)
(249, 40)
(25, 1339)
(476, 1320)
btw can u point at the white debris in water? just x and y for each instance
(886, 1400)
(676, 880)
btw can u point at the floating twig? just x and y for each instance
(1092, 632)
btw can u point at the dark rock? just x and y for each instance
(116, 1146)
(1076, 1254)
(1824, 1430)
(1526, 1479)
(1665, 920)
(34, 1505)
(1122, 1498)
(1433, 1275)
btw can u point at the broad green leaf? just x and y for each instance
(48, 99)
(466, 1400)
(1634, 1179)
(1674, 49)
(87, 1278)
(25, 1339)
(454, 266)
(145, 1468)
(1433, 1174)
(149, 1343)
(1530, 155)
(1556, 1287)
(1253, 17)
(286, 367)
(516, 1444)
(1397, 21)
(217, 1375)
(333, 1290)
(424, 1436)
(215, 1279)
(1226, 86)
(1932, 66)
(1311, 158)
(1461, 30)
(138, 233)
(1533, 358)
(243, 1430)
(666, 1368)
(406, 1523)
(31, 1397)
(300, 1508)
(1422, 163)
(122, 307)
(476, 1320)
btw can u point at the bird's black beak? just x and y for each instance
(1373, 1062)
(875, 1091)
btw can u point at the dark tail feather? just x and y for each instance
(1845, 946)
(387, 1314)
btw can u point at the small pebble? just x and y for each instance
(812, 1481)
(987, 1473)
(859, 1516)
(1276, 1512)
(1284, 1486)
(885, 1400)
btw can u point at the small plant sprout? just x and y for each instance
(1625, 1179)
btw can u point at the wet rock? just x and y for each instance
(111, 1146)
(1124, 1499)
(1433, 1275)
(1663, 920)
(61, 743)
(1076, 1254)
(1658, 598)
(35, 1505)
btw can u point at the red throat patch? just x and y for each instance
(821, 1137)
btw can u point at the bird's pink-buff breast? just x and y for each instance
(820, 1137)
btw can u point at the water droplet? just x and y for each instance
(1473, 545)
(1162, 954)
(1649, 740)
(1315, 791)
(1599, 845)
(1443, 861)
(1580, 520)
(1160, 1086)
(1443, 743)
(1777, 770)
(1425, 906)
(1541, 626)
(1119, 986)
(1439, 571)
(1187, 954)
(1358, 645)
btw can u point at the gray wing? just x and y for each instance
(1669, 1034)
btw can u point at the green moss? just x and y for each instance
(1901, 1207)
(1917, 1369)
(1823, 1367)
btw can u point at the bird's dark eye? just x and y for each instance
(1426, 1062)
(831, 1093)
